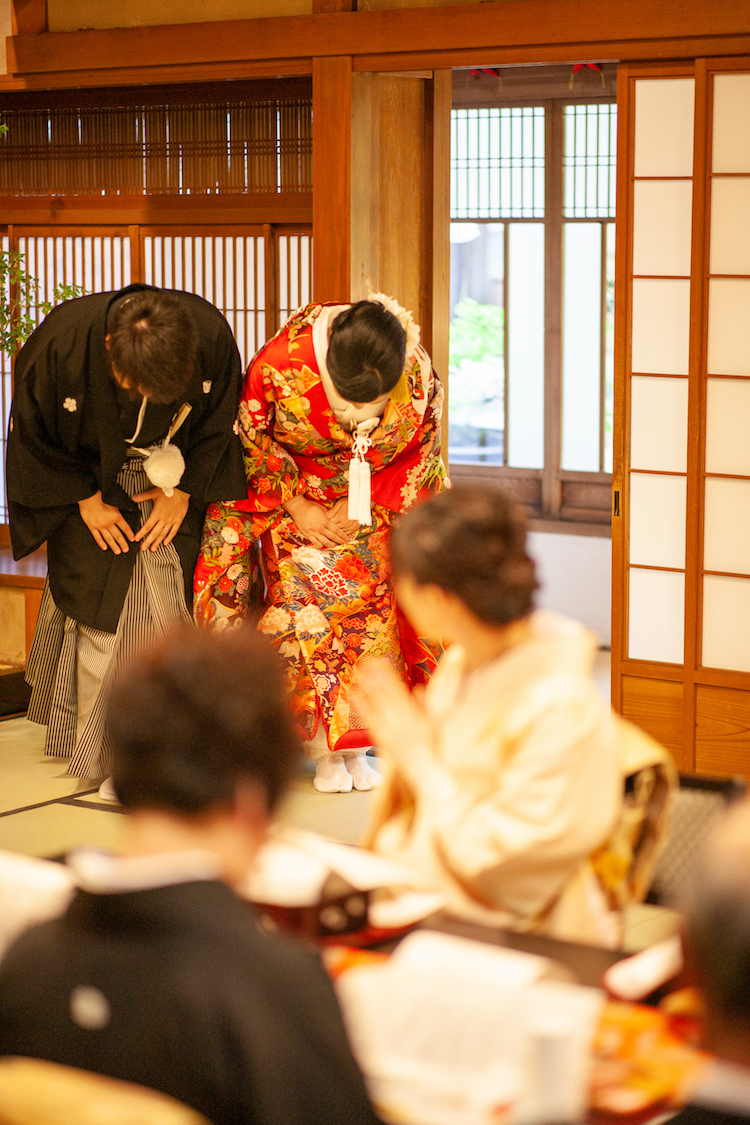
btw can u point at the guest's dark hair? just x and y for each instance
(152, 343)
(471, 541)
(195, 714)
(366, 352)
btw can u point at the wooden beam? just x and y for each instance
(291, 208)
(161, 75)
(332, 175)
(587, 29)
(334, 6)
(28, 17)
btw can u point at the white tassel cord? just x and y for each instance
(359, 481)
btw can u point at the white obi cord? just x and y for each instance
(359, 473)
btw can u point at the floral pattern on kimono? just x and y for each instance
(324, 609)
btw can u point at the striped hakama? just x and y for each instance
(72, 667)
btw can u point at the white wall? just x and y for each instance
(575, 575)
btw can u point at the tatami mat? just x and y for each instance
(44, 812)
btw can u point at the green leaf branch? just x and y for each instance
(20, 306)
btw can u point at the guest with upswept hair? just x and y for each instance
(506, 784)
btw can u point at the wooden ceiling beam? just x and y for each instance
(587, 29)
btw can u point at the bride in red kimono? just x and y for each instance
(340, 425)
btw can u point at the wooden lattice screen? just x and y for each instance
(192, 146)
(227, 161)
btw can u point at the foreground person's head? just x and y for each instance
(152, 344)
(718, 934)
(465, 546)
(366, 352)
(201, 731)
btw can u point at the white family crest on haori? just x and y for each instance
(403, 316)
(70, 404)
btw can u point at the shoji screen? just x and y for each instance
(681, 645)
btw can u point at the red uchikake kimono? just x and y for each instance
(324, 609)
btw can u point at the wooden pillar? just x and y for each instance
(439, 233)
(28, 17)
(400, 195)
(332, 140)
(400, 209)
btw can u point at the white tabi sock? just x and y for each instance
(107, 791)
(363, 775)
(331, 775)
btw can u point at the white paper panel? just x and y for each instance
(661, 327)
(664, 110)
(730, 225)
(728, 326)
(658, 423)
(728, 426)
(726, 623)
(726, 530)
(657, 520)
(731, 128)
(662, 227)
(656, 613)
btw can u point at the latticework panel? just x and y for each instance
(185, 149)
(228, 270)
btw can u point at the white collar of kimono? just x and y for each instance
(366, 417)
(103, 873)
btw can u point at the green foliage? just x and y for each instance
(476, 332)
(477, 349)
(19, 301)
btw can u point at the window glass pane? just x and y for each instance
(590, 161)
(609, 346)
(582, 345)
(526, 345)
(477, 343)
(497, 163)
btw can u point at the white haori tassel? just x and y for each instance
(359, 481)
(164, 467)
(164, 464)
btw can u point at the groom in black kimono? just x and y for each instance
(158, 973)
(101, 383)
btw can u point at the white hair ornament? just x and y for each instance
(403, 316)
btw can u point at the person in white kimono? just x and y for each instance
(511, 785)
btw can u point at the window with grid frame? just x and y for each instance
(532, 286)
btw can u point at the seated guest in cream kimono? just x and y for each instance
(511, 785)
